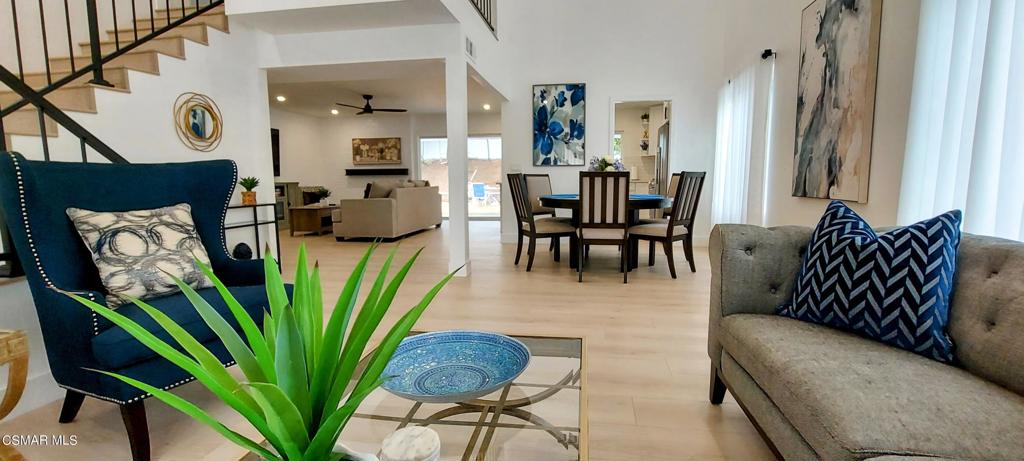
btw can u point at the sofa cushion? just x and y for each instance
(383, 188)
(114, 348)
(853, 398)
(894, 287)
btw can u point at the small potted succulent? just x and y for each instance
(249, 195)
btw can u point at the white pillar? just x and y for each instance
(457, 116)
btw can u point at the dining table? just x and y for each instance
(636, 203)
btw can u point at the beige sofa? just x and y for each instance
(821, 394)
(392, 209)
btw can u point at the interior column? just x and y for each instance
(457, 110)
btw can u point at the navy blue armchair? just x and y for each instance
(34, 196)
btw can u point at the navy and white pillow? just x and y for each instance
(894, 287)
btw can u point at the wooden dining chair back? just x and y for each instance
(528, 226)
(538, 185)
(673, 186)
(517, 187)
(604, 214)
(687, 198)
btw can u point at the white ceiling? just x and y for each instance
(395, 13)
(416, 85)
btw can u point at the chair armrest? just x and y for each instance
(239, 272)
(752, 271)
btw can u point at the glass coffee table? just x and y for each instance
(542, 415)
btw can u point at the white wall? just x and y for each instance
(669, 50)
(317, 150)
(753, 26)
(140, 127)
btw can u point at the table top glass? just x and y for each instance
(539, 416)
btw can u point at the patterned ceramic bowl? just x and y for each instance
(454, 366)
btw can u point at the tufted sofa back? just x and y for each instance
(753, 270)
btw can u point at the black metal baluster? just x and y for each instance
(152, 18)
(167, 11)
(183, 8)
(117, 40)
(71, 45)
(135, 23)
(46, 46)
(42, 134)
(94, 45)
(17, 38)
(3, 135)
(85, 159)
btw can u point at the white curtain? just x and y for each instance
(965, 141)
(741, 145)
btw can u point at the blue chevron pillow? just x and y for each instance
(894, 287)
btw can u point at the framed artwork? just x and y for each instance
(836, 98)
(376, 151)
(559, 119)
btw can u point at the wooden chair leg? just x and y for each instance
(688, 250)
(667, 244)
(580, 257)
(650, 253)
(519, 248)
(530, 253)
(552, 245)
(625, 263)
(556, 244)
(72, 403)
(134, 416)
(586, 252)
(716, 391)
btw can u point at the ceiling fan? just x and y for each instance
(367, 108)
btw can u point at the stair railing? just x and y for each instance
(487, 13)
(175, 14)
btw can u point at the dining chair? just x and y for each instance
(604, 215)
(673, 186)
(539, 185)
(532, 227)
(678, 225)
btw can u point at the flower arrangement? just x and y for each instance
(320, 193)
(606, 163)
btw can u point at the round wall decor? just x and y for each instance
(198, 121)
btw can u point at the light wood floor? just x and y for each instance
(647, 351)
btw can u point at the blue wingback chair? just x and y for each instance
(34, 196)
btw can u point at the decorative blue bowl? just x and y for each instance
(454, 366)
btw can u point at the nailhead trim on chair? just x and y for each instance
(95, 321)
(224, 215)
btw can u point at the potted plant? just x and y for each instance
(249, 195)
(300, 383)
(320, 193)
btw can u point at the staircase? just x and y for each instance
(35, 103)
(80, 95)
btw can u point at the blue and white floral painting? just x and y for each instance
(559, 117)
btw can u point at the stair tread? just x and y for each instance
(114, 42)
(134, 51)
(123, 30)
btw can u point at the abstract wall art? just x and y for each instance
(559, 117)
(836, 98)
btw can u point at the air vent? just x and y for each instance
(470, 48)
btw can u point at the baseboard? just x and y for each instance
(40, 389)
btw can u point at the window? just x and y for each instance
(617, 145)
(484, 188)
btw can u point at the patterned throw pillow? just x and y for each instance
(136, 252)
(894, 287)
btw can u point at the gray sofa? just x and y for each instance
(818, 393)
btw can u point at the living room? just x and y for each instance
(833, 259)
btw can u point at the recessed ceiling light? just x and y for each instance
(281, 99)
(334, 111)
(487, 107)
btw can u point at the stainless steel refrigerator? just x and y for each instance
(661, 162)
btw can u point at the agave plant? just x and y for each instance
(298, 390)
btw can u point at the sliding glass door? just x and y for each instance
(484, 187)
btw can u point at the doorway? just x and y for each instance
(483, 190)
(640, 139)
